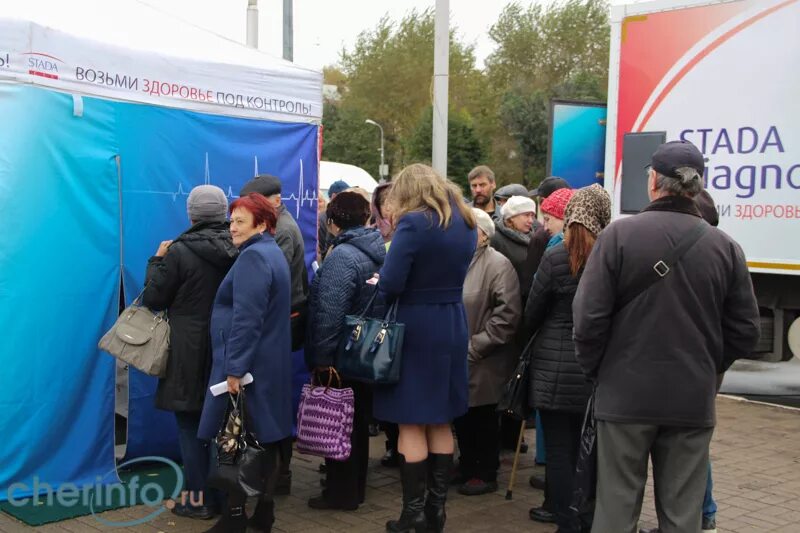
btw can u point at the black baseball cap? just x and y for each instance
(264, 184)
(549, 185)
(671, 156)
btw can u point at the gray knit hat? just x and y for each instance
(207, 203)
(589, 206)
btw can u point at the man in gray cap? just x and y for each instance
(505, 192)
(653, 331)
(290, 240)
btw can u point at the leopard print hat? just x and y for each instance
(591, 207)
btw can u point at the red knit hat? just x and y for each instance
(556, 203)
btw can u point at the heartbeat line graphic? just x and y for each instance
(301, 197)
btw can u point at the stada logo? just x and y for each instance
(5, 60)
(43, 65)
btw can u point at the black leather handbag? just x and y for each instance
(370, 350)
(238, 464)
(514, 398)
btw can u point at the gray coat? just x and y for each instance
(492, 303)
(656, 360)
(290, 240)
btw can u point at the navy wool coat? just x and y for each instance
(425, 270)
(339, 289)
(250, 333)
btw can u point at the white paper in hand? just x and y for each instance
(222, 387)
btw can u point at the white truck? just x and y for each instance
(724, 75)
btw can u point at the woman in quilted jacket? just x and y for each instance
(339, 289)
(559, 389)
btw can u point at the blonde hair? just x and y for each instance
(419, 188)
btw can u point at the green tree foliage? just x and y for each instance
(498, 116)
(464, 150)
(389, 75)
(347, 139)
(545, 52)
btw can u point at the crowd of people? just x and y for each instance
(639, 318)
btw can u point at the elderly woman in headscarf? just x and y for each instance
(183, 277)
(559, 389)
(492, 303)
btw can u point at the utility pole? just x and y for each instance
(252, 23)
(288, 30)
(441, 67)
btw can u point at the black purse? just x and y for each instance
(585, 480)
(370, 350)
(514, 398)
(238, 463)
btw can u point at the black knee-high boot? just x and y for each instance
(264, 516)
(412, 518)
(439, 467)
(233, 520)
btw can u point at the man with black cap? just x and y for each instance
(548, 186)
(290, 240)
(664, 306)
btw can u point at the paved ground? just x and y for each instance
(756, 455)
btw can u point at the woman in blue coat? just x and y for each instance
(424, 271)
(250, 333)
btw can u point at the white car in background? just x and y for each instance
(354, 176)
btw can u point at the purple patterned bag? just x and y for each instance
(325, 419)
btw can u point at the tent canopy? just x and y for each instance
(130, 50)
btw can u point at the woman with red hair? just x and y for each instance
(250, 333)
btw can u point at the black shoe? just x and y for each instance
(197, 513)
(391, 458)
(412, 518)
(263, 518)
(284, 483)
(523, 448)
(538, 514)
(374, 430)
(537, 482)
(321, 503)
(477, 487)
(232, 521)
(709, 524)
(439, 467)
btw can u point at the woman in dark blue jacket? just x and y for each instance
(340, 289)
(425, 268)
(250, 333)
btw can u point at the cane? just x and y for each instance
(512, 480)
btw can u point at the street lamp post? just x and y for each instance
(383, 170)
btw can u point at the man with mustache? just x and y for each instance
(482, 186)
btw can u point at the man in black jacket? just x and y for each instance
(290, 240)
(655, 360)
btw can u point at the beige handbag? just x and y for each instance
(140, 338)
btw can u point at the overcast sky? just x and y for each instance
(322, 27)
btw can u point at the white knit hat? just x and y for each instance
(516, 205)
(485, 222)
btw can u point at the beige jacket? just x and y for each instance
(493, 306)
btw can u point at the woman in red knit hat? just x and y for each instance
(553, 208)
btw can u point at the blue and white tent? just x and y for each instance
(111, 113)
